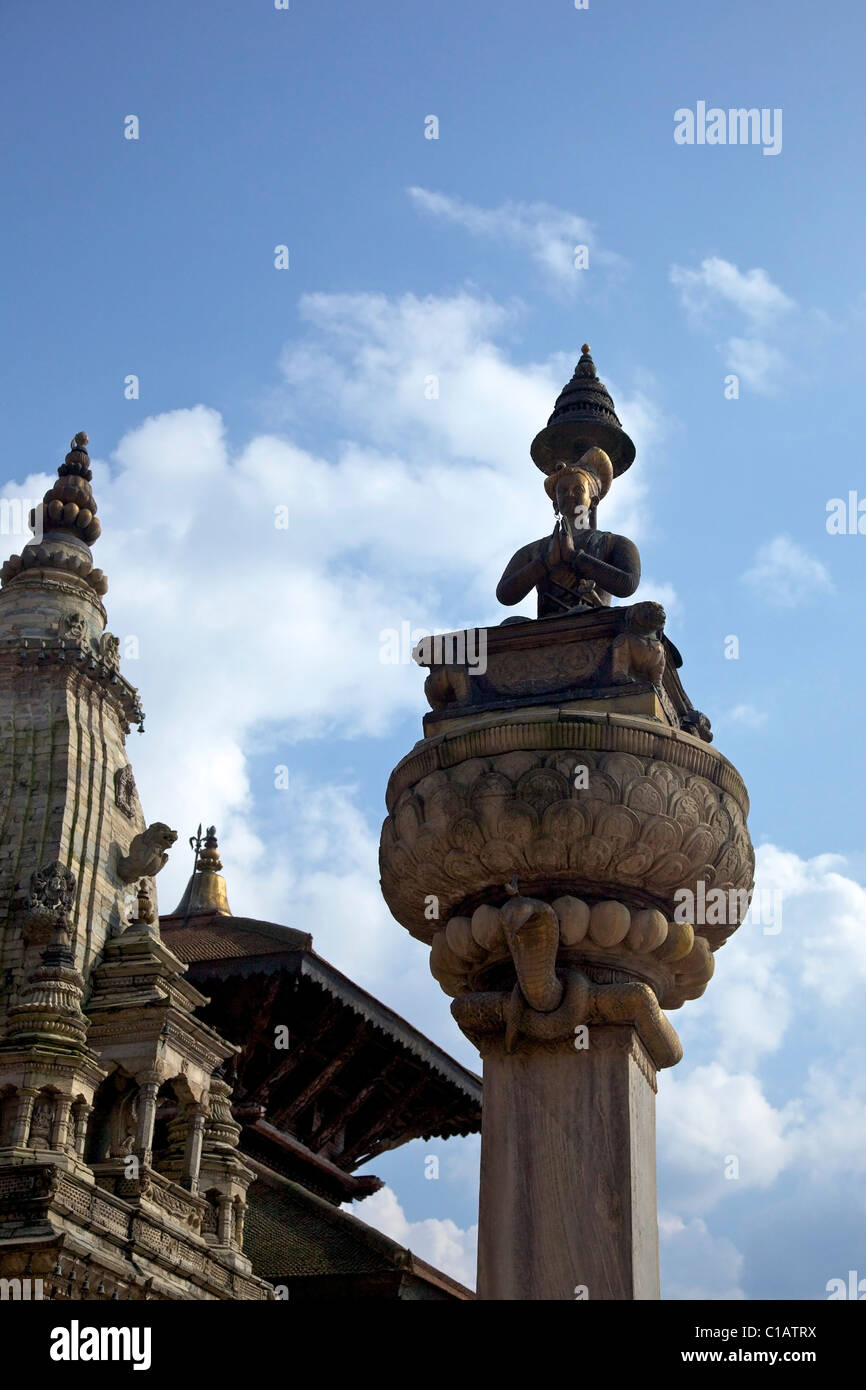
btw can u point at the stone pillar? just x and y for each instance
(552, 838)
(21, 1129)
(61, 1123)
(569, 1131)
(239, 1212)
(81, 1114)
(568, 1195)
(192, 1153)
(224, 1220)
(146, 1120)
(552, 844)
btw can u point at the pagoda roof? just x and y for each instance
(206, 936)
(355, 1079)
(319, 1251)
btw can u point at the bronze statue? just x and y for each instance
(578, 567)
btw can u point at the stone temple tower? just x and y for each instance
(555, 838)
(65, 711)
(119, 1175)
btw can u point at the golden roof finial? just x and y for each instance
(586, 349)
(206, 890)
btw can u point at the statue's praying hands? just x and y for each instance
(577, 567)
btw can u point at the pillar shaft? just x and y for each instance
(192, 1154)
(81, 1115)
(240, 1211)
(568, 1191)
(224, 1220)
(21, 1128)
(61, 1123)
(146, 1120)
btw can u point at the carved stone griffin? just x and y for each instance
(148, 853)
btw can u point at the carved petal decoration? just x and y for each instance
(643, 825)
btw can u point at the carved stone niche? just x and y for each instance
(125, 790)
(49, 903)
(42, 1120)
(52, 893)
(73, 629)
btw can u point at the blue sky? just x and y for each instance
(305, 388)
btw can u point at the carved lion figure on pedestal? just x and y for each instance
(638, 651)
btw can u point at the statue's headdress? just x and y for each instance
(583, 417)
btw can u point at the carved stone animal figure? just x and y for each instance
(148, 853)
(532, 933)
(639, 651)
(696, 723)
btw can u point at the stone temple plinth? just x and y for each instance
(542, 839)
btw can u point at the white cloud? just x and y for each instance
(719, 287)
(822, 933)
(548, 234)
(748, 1006)
(695, 1263)
(764, 975)
(712, 1114)
(663, 593)
(785, 995)
(441, 1242)
(747, 715)
(462, 1159)
(757, 362)
(372, 359)
(785, 576)
(752, 293)
(834, 1143)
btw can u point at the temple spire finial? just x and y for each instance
(69, 505)
(64, 524)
